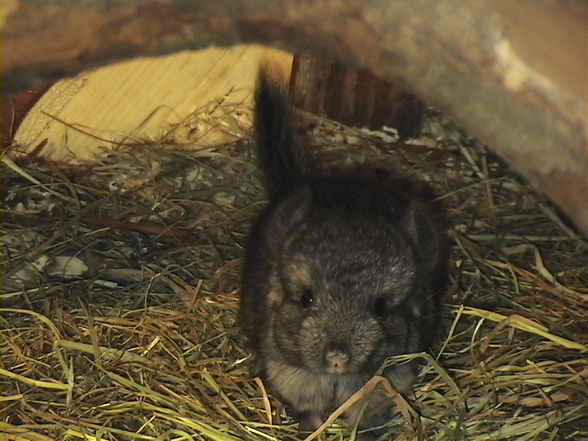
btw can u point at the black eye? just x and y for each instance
(306, 298)
(381, 307)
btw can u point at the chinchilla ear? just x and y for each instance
(425, 238)
(291, 211)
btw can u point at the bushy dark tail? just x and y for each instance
(282, 160)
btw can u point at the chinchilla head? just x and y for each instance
(339, 290)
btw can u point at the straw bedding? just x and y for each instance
(121, 282)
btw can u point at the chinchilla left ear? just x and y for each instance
(290, 212)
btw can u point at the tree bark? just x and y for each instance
(512, 73)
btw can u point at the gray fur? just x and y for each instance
(365, 251)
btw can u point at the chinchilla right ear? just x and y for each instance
(289, 212)
(423, 234)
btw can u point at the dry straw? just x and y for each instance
(121, 288)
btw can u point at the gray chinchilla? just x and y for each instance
(343, 269)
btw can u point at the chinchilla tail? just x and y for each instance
(281, 158)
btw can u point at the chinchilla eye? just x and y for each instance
(306, 298)
(381, 307)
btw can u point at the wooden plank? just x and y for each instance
(141, 100)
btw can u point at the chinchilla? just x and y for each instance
(343, 269)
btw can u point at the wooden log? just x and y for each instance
(512, 73)
(353, 96)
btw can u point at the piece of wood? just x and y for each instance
(353, 96)
(143, 100)
(512, 73)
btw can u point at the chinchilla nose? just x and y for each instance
(337, 360)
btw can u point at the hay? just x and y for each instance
(121, 289)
